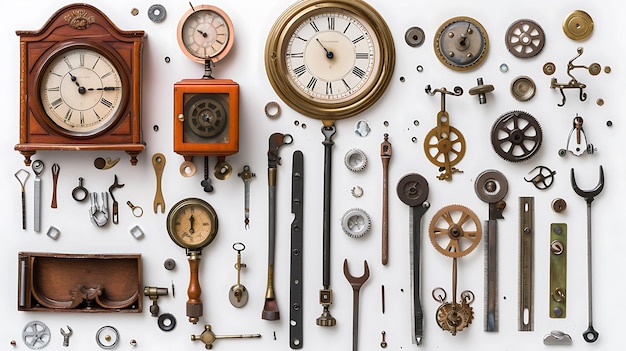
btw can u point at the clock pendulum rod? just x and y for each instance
(385, 155)
(326, 294)
(295, 292)
(276, 140)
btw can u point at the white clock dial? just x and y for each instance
(81, 91)
(205, 33)
(331, 56)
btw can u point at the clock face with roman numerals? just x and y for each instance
(81, 91)
(331, 55)
(330, 59)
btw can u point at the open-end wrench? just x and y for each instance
(590, 335)
(158, 162)
(38, 168)
(356, 283)
(66, 336)
(114, 186)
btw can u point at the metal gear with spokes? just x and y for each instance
(524, 38)
(454, 317)
(516, 136)
(36, 335)
(444, 150)
(455, 231)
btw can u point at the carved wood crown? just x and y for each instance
(79, 19)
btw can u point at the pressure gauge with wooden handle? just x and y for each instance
(192, 224)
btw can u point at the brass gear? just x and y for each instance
(516, 136)
(524, 38)
(440, 148)
(455, 231)
(454, 317)
(461, 43)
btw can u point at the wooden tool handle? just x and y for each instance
(194, 303)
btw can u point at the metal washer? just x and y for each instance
(414, 37)
(108, 341)
(166, 322)
(486, 180)
(157, 13)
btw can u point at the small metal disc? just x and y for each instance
(559, 205)
(412, 189)
(156, 13)
(578, 25)
(549, 68)
(523, 88)
(524, 38)
(166, 322)
(414, 37)
(355, 160)
(169, 264)
(107, 337)
(595, 69)
(491, 186)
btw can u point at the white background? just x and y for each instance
(403, 103)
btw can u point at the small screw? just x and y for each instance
(420, 68)
(274, 335)
(155, 127)
(402, 79)
(167, 59)
(13, 343)
(386, 123)
(609, 123)
(133, 342)
(383, 343)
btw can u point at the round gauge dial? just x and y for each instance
(81, 91)
(205, 33)
(192, 223)
(330, 60)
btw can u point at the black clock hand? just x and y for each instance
(329, 54)
(105, 88)
(204, 35)
(191, 222)
(81, 89)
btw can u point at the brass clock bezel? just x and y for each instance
(231, 33)
(176, 210)
(39, 111)
(278, 73)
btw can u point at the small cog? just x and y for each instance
(355, 160)
(355, 222)
(455, 231)
(524, 38)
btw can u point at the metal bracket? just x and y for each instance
(558, 270)
(526, 257)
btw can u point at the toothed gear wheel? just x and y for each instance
(355, 222)
(454, 317)
(524, 38)
(516, 136)
(355, 160)
(455, 231)
(36, 335)
(461, 43)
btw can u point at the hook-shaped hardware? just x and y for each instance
(458, 91)
(588, 195)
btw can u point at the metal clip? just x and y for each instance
(557, 337)
(99, 211)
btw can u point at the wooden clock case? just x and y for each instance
(224, 143)
(73, 26)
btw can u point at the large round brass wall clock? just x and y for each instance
(330, 59)
(80, 85)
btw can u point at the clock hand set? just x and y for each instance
(329, 54)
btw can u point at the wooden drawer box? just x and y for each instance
(79, 282)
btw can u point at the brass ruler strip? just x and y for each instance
(527, 233)
(558, 270)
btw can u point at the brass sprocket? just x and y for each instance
(455, 231)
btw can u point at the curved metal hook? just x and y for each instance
(588, 195)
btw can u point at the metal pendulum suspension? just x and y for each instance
(246, 175)
(385, 155)
(326, 294)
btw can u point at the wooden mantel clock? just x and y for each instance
(206, 110)
(80, 85)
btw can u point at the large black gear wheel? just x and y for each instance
(516, 136)
(524, 38)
